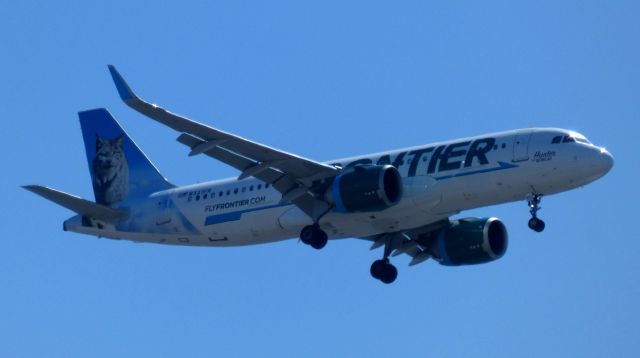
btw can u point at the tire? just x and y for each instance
(377, 268)
(536, 224)
(389, 274)
(306, 235)
(320, 239)
(313, 236)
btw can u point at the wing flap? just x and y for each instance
(76, 204)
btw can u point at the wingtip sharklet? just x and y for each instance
(125, 92)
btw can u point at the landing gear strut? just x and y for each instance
(314, 236)
(535, 223)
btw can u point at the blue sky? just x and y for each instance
(324, 80)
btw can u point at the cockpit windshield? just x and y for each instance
(570, 138)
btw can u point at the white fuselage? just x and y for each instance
(439, 180)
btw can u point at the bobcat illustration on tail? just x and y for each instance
(110, 171)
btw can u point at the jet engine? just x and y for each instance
(365, 188)
(471, 241)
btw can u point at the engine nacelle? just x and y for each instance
(472, 241)
(365, 188)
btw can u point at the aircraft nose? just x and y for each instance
(606, 160)
(602, 161)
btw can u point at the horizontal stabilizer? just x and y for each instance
(81, 206)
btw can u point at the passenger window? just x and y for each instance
(235, 191)
(251, 188)
(266, 185)
(244, 188)
(556, 139)
(197, 197)
(204, 196)
(259, 186)
(220, 193)
(228, 192)
(504, 145)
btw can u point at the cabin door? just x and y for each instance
(521, 146)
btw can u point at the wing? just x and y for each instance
(291, 175)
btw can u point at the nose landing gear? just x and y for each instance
(535, 223)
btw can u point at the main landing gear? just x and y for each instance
(535, 223)
(382, 269)
(314, 236)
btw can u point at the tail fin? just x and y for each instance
(119, 169)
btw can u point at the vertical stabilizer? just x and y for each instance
(119, 169)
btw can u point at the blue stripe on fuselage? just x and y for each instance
(501, 166)
(236, 215)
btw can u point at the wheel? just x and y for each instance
(314, 236)
(320, 239)
(384, 271)
(377, 268)
(536, 224)
(306, 235)
(389, 274)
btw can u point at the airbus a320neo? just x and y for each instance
(402, 200)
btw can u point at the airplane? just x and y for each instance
(402, 200)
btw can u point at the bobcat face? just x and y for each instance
(110, 171)
(109, 158)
